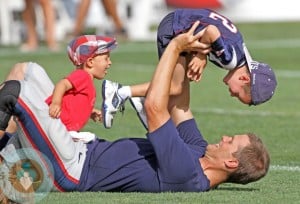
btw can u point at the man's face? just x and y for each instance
(228, 145)
(236, 80)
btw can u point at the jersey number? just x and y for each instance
(224, 20)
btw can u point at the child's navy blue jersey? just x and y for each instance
(181, 20)
(168, 160)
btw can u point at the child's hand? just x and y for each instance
(96, 115)
(54, 110)
(196, 67)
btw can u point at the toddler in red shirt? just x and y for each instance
(74, 96)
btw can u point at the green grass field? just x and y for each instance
(277, 122)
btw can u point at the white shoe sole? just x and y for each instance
(138, 104)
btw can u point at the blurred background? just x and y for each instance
(55, 21)
(270, 29)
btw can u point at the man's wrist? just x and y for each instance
(175, 46)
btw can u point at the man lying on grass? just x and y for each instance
(174, 156)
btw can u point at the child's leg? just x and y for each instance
(140, 90)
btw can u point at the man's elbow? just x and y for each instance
(151, 107)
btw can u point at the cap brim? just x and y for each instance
(107, 47)
(249, 59)
(112, 45)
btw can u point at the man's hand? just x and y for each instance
(190, 42)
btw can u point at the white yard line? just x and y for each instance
(274, 43)
(285, 168)
(221, 111)
(151, 46)
(288, 73)
(292, 74)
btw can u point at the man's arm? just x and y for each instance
(156, 102)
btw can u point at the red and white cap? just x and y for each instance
(86, 46)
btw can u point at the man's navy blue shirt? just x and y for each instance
(168, 160)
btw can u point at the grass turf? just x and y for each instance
(277, 122)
